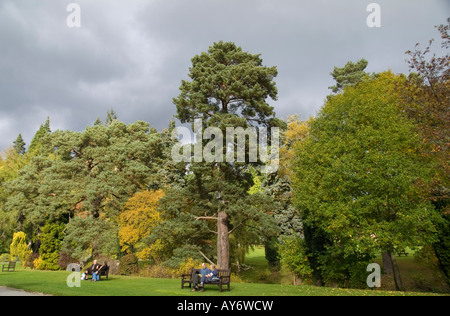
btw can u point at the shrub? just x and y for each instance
(157, 271)
(128, 265)
(5, 257)
(293, 255)
(186, 265)
(65, 259)
(51, 238)
(272, 256)
(29, 261)
(19, 247)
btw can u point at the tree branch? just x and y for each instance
(207, 217)
(203, 255)
(240, 224)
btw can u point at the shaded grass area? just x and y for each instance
(416, 277)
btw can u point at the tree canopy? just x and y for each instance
(356, 178)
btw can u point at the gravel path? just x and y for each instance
(6, 291)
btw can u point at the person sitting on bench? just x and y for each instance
(94, 270)
(210, 277)
(198, 276)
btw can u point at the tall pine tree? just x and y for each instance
(228, 88)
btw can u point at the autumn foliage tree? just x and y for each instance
(136, 221)
(19, 248)
(426, 100)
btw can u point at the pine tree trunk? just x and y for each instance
(223, 245)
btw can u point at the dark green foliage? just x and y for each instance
(92, 172)
(229, 88)
(19, 145)
(271, 254)
(40, 137)
(180, 254)
(442, 247)
(87, 237)
(128, 265)
(227, 80)
(288, 218)
(349, 75)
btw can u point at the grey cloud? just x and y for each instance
(132, 55)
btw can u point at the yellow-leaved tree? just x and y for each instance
(19, 248)
(139, 216)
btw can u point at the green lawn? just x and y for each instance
(257, 281)
(54, 283)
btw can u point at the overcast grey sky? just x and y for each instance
(132, 55)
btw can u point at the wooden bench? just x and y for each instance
(10, 267)
(402, 253)
(103, 272)
(224, 278)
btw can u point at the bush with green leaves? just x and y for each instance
(293, 254)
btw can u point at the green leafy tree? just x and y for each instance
(294, 255)
(357, 179)
(229, 88)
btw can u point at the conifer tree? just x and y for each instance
(228, 88)
(19, 145)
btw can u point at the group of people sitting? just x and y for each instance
(94, 270)
(204, 276)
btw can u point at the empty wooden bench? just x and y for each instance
(10, 267)
(223, 275)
